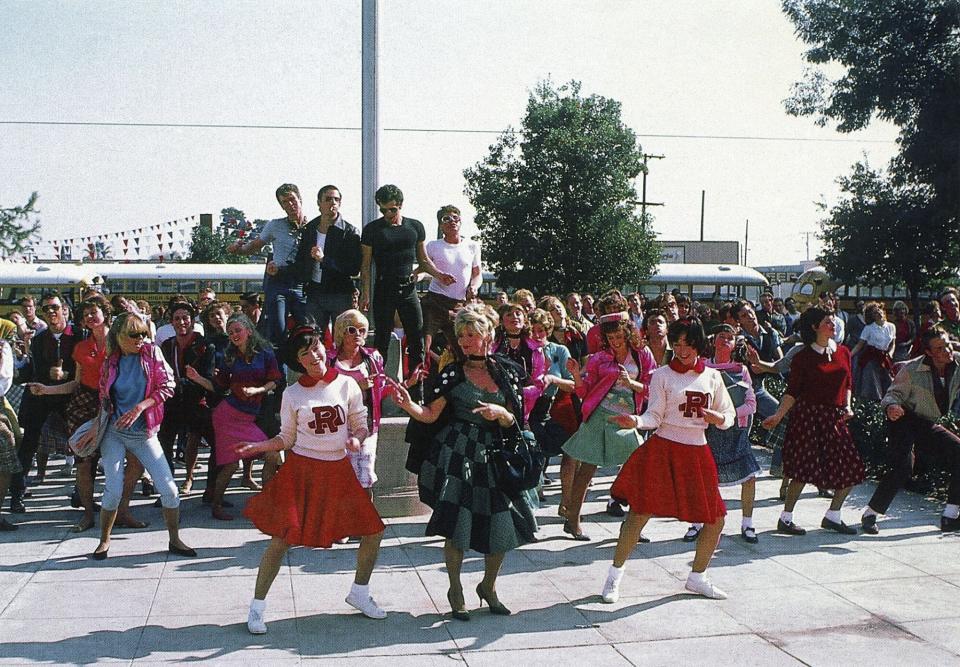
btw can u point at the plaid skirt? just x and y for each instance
(83, 406)
(819, 449)
(9, 463)
(459, 482)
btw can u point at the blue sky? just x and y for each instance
(687, 73)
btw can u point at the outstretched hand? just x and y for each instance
(623, 421)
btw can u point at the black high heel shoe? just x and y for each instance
(460, 614)
(496, 607)
(579, 536)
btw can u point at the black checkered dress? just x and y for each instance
(458, 481)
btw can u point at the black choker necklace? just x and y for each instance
(476, 357)
(513, 336)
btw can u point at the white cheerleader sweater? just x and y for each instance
(676, 401)
(317, 420)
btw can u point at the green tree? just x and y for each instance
(209, 245)
(554, 200)
(18, 227)
(900, 62)
(882, 232)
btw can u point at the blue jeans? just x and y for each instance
(325, 308)
(113, 450)
(283, 297)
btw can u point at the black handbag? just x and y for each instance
(517, 460)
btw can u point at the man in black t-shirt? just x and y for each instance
(395, 244)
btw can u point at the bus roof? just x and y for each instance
(179, 271)
(46, 274)
(706, 274)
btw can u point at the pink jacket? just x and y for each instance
(160, 383)
(601, 374)
(378, 391)
(533, 390)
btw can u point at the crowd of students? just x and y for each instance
(667, 390)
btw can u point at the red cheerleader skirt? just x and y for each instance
(668, 479)
(314, 503)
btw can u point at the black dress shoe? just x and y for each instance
(749, 535)
(948, 525)
(789, 528)
(181, 551)
(841, 527)
(615, 509)
(17, 506)
(99, 555)
(868, 524)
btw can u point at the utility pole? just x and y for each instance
(703, 203)
(807, 236)
(370, 117)
(643, 196)
(746, 239)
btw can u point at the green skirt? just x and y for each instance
(601, 443)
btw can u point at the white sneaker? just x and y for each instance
(368, 607)
(255, 623)
(611, 589)
(705, 588)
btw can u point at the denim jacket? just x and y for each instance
(160, 383)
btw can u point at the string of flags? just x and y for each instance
(170, 239)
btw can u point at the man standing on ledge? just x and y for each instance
(395, 244)
(328, 259)
(281, 285)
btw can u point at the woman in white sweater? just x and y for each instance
(315, 499)
(673, 473)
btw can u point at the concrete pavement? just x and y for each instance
(822, 599)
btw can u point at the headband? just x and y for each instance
(614, 317)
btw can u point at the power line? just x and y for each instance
(425, 130)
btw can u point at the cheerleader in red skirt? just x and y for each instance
(315, 499)
(673, 473)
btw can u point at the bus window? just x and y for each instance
(188, 287)
(167, 286)
(232, 286)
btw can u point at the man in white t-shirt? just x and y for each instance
(460, 258)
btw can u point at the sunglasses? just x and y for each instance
(450, 218)
(137, 335)
(354, 331)
(51, 308)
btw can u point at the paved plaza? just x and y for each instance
(823, 599)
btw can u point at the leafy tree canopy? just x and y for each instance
(18, 228)
(901, 63)
(554, 200)
(883, 232)
(209, 246)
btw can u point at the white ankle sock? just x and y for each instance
(951, 511)
(746, 522)
(869, 511)
(258, 605)
(786, 517)
(615, 573)
(697, 577)
(361, 591)
(832, 515)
